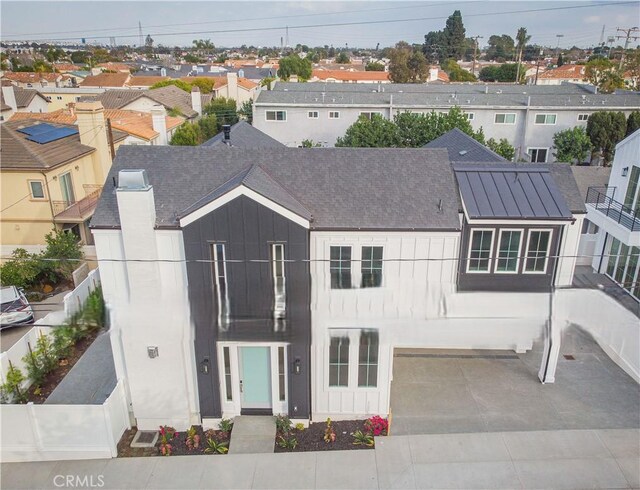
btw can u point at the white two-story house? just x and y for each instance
(280, 280)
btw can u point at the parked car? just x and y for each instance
(15, 307)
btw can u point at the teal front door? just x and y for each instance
(255, 377)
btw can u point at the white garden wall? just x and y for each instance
(63, 432)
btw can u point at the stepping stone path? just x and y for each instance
(253, 434)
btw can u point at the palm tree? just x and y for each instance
(522, 40)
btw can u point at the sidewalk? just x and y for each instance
(543, 459)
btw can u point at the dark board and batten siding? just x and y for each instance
(248, 229)
(516, 282)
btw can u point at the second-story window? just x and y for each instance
(37, 189)
(502, 118)
(371, 267)
(508, 250)
(583, 117)
(334, 115)
(537, 251)
(221, 283)
(340, 267)
(369, 115)
(545, 118)
(276, 115)
(313, 115)
(480, 250)
(279, 290)
(66, 187)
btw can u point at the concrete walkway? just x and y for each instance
(545, 459)
(252, 435)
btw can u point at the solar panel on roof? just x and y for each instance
(52, 135)
(36, 129)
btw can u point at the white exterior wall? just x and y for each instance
(569, 251)
(149, 307)
(141, 104)
(417, 306)
(523, 134)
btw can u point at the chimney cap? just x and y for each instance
(195, 88)
(133, 180)
(89, 107)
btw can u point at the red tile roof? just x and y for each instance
(348, 76)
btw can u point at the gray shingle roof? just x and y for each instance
(510, 192)
(244, 135)
(587, 176)
(463, 148)
(170, 97)
(24, 96)
(429, 95)
(343, 188)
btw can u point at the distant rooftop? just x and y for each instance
(463, 148)
(244, 135)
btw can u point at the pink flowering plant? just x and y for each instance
(167, 434)
(192, 440)
(377, 426)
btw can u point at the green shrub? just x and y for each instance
(11, 390)
(21, 270)
(94, 311)
(64, 246)
(63, 340)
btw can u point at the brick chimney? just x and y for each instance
(159, 120)
(196, 100)
(93, 132)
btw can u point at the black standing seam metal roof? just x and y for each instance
(510, 192)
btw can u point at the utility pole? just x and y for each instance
(140, 34)
(475, 51)
(538, 67)
(558, 43)
(628, 36)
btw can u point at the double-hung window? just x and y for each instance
(480, 250)
(279, 290)
(369, 115)
(469, 115)
(537, 254)
(220, 280)
(339, 362)
(334, 115)
(313, 114)
(371, 267)
(545, 119)
(276, 115)
(505, 118)
(340, 267)
(538, 155)
(368, 359)
(583, 117)
(508, 251)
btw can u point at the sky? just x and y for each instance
(263, 23)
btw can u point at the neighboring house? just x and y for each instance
(527, 116)
(37, 80)
(350, 76)
(463, 149)
(242, 135)
(171, 97)
(52, 175)
(559, 75)
(17, 99)
(66, 67)
(114, 66)
(142, 128)
(231, 87)
(107, 80)
(144, 82)
(280, 280)
(61, 97)
(615, 210)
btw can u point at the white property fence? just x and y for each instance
(74, 300)
(56, 432)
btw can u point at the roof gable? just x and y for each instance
(463, 148)
(244, 135)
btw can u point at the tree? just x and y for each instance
(572, 145)
(80, 57)
(502, 148)
(457, 74)
(294, 65)
(208, 127)
(376, 132)
(633, 123)
(434, 46)
(203, 83)
(343, 58)
(454, 37)
(182, 85)
(632, 70)
(374, 66)
(246, 111)
(407, 65)
(308, 143)
(602, 73)
(501, 48)
(521, 41)
(224, 110)
(503, 73)
(560, 60)
(267, 82)
(186, 135)
(605, 130)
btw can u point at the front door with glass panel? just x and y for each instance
(255, 377)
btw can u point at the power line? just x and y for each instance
(370, 22)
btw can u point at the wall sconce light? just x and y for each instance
(297, 368)
(204, 366)
(77, 167)
(152, 351)
(625, 171)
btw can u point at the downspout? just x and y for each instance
(604, 246)
(391, 107)
(525, 127)
(46, 183)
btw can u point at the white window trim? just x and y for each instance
(522, 233)
(493, 237)
(526, 254)
(354, 361)
(44, 190)
(279, 312)
(275, 120)
(317, 115)
(515, 118)
(370, 113)
(470, 115)
(339, 334)
(361, 261)
(334, 112)
(545, 123)
(357, 362)
(546, 157)
(216, 272)
(355, 271)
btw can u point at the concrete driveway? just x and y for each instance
(437, 391)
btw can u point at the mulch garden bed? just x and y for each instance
(312, 438)
(178, 443)
(53, 379)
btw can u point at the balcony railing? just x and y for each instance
(77, 211)
(618, 212)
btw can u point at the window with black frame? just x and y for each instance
(340, 267)
(371, 267)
